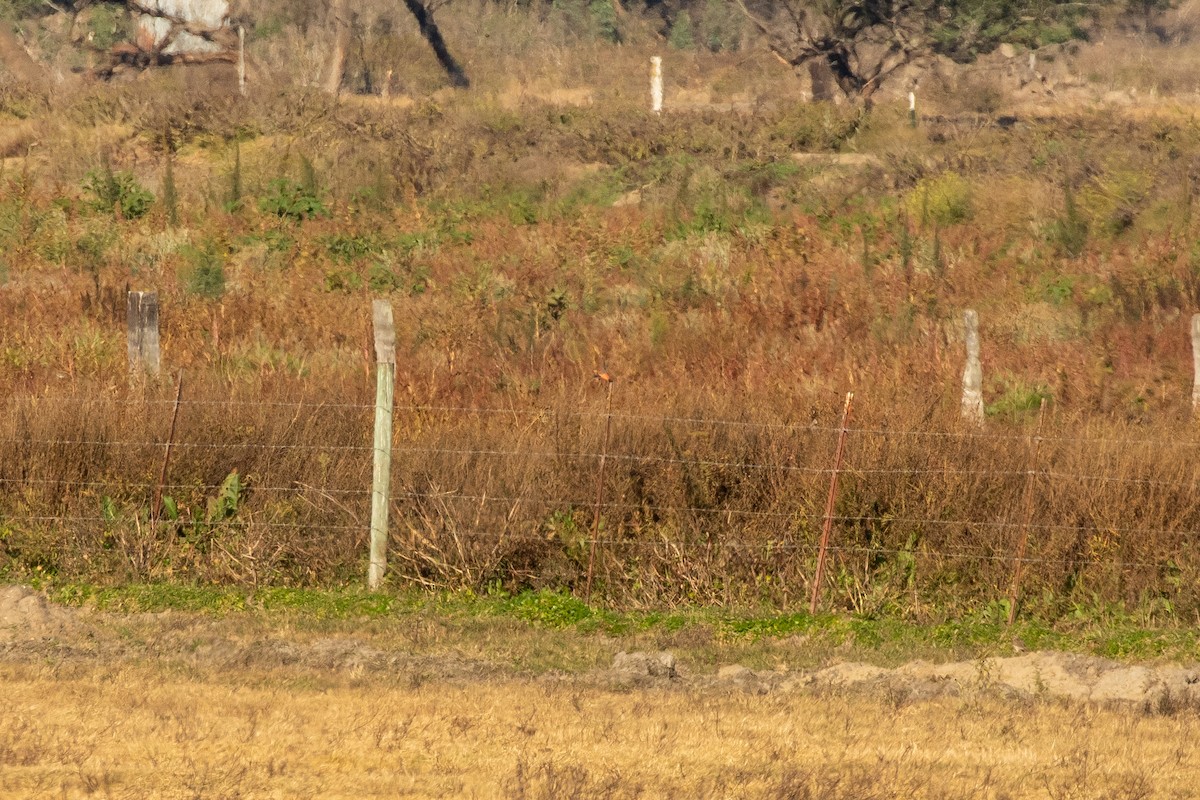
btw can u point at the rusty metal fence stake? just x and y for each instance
(819, 577)
(156, 506)
(1014, 596)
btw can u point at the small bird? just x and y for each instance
(602, 376)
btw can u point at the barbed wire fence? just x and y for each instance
(690, 509)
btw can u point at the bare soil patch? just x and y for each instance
(31, 629)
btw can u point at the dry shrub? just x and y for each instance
(693, 509)
(978, 90)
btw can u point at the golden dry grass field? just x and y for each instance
(258, 705)
(133, 731)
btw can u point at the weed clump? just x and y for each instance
(291, 201)
(205, 275)
(1070, 232)
(945, 199)
(118, 193)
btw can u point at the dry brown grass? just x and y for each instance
(136, 732)
(692, 511)
(743, 288)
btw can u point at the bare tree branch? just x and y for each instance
(430, 32)
(220, 35)
(861, 42)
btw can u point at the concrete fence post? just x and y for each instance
(385, 388)
(141, 317)
(1196, 363)
(972, 382)
(656, 85)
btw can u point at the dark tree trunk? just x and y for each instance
(429, 30)
(341, 43)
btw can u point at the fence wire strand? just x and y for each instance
(407, 501)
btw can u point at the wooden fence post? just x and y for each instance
(141, 316)
(830, 504)
(242, 60)
(1196, 363)
(972, 382)
(656, 84)
(385, 387)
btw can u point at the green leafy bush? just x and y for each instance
(290, 200)
(118, 192)
(941, 200)
(1019, 400)
(107, 25)
(205, 276)
(721, 26)
(346, 248)
(605, 20)
(681, 36)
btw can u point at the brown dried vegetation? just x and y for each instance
(127, 731)
(734, 292)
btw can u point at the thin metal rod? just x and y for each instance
(156, 507)
(601, 376)
(819, 577)
(1014, 596)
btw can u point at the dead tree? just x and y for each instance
(170, 38)
(861, 42)
(422, 11)
(341, 43)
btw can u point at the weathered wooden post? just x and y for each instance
(141, 317)
(385, 387)
(656, 84)
(242, 60)
(1196, 363)
(972, 382)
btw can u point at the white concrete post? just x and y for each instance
(656, 85)
(972, 382)
(1196, 362)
